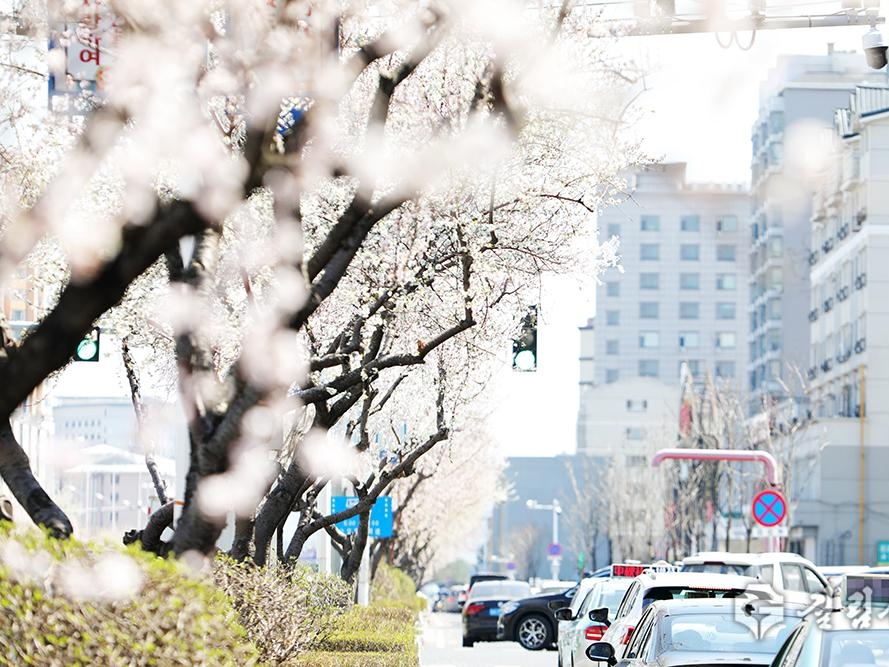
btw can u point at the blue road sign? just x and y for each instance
(380, 515)
(554, 549)
(769, 508)
(883, 552)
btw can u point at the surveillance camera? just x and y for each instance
(875, 49)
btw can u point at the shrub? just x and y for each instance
(393, 588)
(70, 603)
(283, 610)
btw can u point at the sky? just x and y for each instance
(699, 105)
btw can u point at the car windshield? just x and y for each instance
(725, 633)
(501, 590)
(610, 595)
(686, 593)
(855, 647)
(717, 568)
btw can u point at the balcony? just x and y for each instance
(827, 246)
(843, 293)
(827, 306)
(843, 231)
(860, 218)
(843, 357)
(813, 315)
(860, 345)
(826, 365)
(812, 373)
(860, 281)
(813, 258)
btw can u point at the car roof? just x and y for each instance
(696, 580)
(734, 558)
(713, 606)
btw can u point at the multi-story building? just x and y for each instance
(842, 510)
(682, 289)
(799, 96)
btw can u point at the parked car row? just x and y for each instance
(714, 608)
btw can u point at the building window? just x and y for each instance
(689, 310)
(725, 253)
(725, 311)
(690, 223)
(649, 252)
(727, 224)
(613, 230)
(649, 310)
(17, 315)
(635, 433)
(727, 282)
(694, 367)
(637, 461)
(648, 368)
(649, 223)
(612, 289)
(611, 347)
(612, 318)
(726, 340)
(611, 375)
(725, 369)
(690, 281)
(637, 406)
(649, 339)
(689, 252)
(649, 280)
(689, 339)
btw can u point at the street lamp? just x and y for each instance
(556, 509)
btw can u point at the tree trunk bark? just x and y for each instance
(157, 523)
(15, 468)
(243, 537)
(276, 507)
(353, 562)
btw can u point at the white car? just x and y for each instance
(648, 588)
(581, 631)
(796, 579)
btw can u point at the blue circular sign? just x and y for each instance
(554, 549)
(769, 508)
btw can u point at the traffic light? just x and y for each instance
(524, 348)
(88, 347)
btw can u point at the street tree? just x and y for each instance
(376, 232)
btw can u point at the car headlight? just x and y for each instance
(508, 608)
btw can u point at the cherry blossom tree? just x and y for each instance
(374, 234)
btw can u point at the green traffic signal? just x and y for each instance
(88, 347)
(524, 347)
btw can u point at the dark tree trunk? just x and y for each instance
(15, 468)
(275, 508)
(353, 562)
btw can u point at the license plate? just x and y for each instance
(494, 612)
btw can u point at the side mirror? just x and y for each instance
(600, 616)
(564, 614)
(601, 651)
(555, 605)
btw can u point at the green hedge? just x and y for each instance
(381, 635)
(70, 603)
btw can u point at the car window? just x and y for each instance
(584, 606)
(813, 582)
(793, 577)
(790, 650)
(641, 635)
(627, 603)
(767, 573)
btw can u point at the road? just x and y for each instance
(441, 646)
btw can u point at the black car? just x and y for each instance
(482, 608)
(531, 621)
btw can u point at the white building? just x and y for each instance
(682, 291)
(843, 509)
(798, 99)
(108, 490)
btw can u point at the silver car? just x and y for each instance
(705, 632)
(577, 630)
